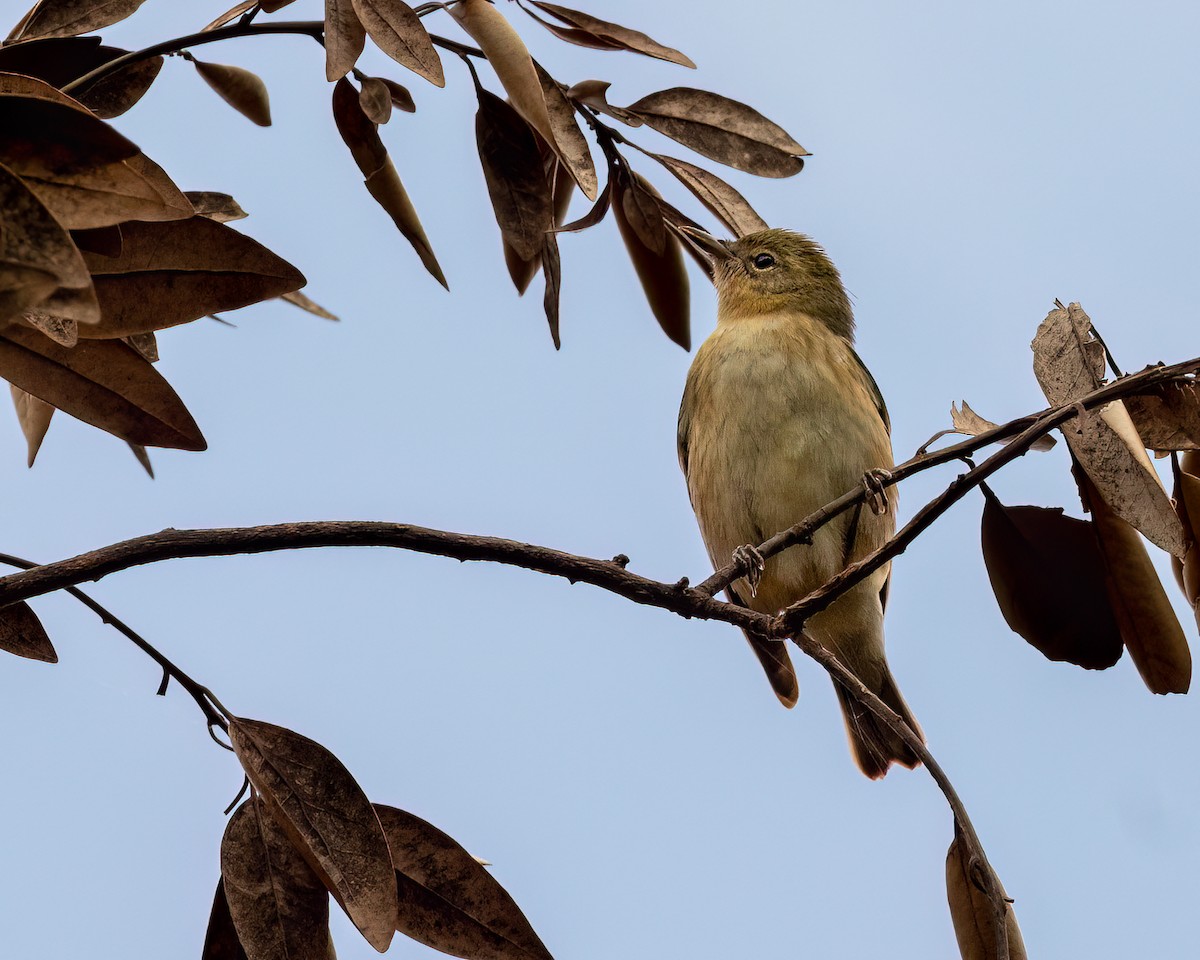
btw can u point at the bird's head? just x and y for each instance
(773, 271)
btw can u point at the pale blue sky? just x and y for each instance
(632, 778)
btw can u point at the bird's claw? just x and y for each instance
(875, 483)
(751, 561)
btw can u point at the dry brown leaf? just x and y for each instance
(270, 6)
(595, 214)
(278, 905)
(22, 633)
(70, 18)
(1048, 575)
(582, 38)
(345, 38)
(105, 240)
(220, 939)
(1187, 505)
(510, 59)
(140, 454)
(1069, 363)
(329, 819)
(240, 88)
(613, 33)
(553, 270)
(59, 329)
(297, 299)
(515, 174)
(376, 100)
(102, 197)
(60, 60)
(594, 93)
(216, 206)
(661, 272)
(1148, 624)
(101, 382)
(640, 210)
(170, 194)
(34, 415)
(176, 272)
(722, 129)
(401, 98)
(230, 15)
(1169, 417)
(388, 190)
(521, 270)
(721, 200)
(571, 145)
(972, 912)
(448, 901)
(146, 344)
(399, 33)
(360, 134)
(967, 421)
(22, 286)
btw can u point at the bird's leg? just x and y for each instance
(752, 563)
(874, 481)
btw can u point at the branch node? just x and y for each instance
(680, 585)
(164, 683)
(621, 560)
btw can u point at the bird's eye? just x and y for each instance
(764, 261)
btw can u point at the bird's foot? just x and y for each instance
(875, 483)
(751, 561)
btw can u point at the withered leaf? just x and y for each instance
(1069, 363)
(216, 206)
(23, 286)
(510, 59)
(660, 271)
(598, 211)
(968, 422)
(278, 905)
(524, 270)
(69, 18)
(230, 15)
(721, 200)
(358, 131)
(594, 93)
(448, 901)
(1149, 627)
(240, 88)
(22, 633)
(399, 33)
(297, 299)
(143, 457)
(1187, 505)
(515, 174)
(614, 33)
(60, 60)
(105, 240)
(34, 415)
(146, 344)
(553, 270)
(401, 98)
(971, 911)
(1048, 575)
(325, 813)
(376, 100)
(722, 129)
(345, 38)
(59, 329)
(176, 272)
(170, 194)
(102, 197)
(270, 6)
(582, 38)
(572, 145)
(220, 939)
(1168, 418)
(102, 382)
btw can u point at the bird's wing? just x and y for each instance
(875, 392)
(685, 425)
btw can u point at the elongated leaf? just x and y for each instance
(515, 174)
(401, 98)
(573, 147)
(46, 139)
(613, 33)
(216, 206)
(220, 939)
(376, 100)
(553, 270)
(22, 287)
(170, 194)
(598, 211)
(278, 905)
(972, 424)
(59, 329)
(345, 38)
(60, 60)
(524, 270)
(639, 209)
(581, 38)
(1169, 417)
(102, 382)
(399, 33)
(594, 93)
(721, 200)
(1187, 504)
(326, 814)
(297, 299)
(240, 88)
(105, 240)
(70, 18)
(360, 134)
(230, 15)
(661, 271)
(22, 633)
(448, 901)
(176, 272)
(1068, 363)
(722, 129)
(34, 415)
(146, 344)
(1048, 575)
(972, 913)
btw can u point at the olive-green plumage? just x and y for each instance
(779, 417)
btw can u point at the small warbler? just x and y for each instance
(779, 417)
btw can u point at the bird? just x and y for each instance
(779, 417)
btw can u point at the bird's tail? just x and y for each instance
(777, 665)
(875, 745)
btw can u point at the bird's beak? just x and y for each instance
(713, 249)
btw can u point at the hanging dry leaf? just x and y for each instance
(216, 206)
(145, 344)
(270, 6)
(1048, 575)
(572, 145)
(358, 132)
(399, 33)
(327, 816)
(22, 633)
(22, 287)
(176, 272)
(448, 901)
(523, 270)
(170, 194)
(240, 88)
(69, 18)
(972, 912)
(660, 271)
(1148, 624)
(1187, 504)
(515, 174)
(345, 38)
(61, 60)
(582, 38)
(105, 240)
(220, 939)
(594, 93)
(34, 415)
(968, 422)
(613, 34)
(721, 200)
(230, 15)
(376, 100)
(278, 905)
(1069, 363)
(1168, 418)
(143, 457)
(553, 270)
(594, 215)
(401, 98)
(59, 329)
(101, 382)
(723, 130)
(297, 299)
